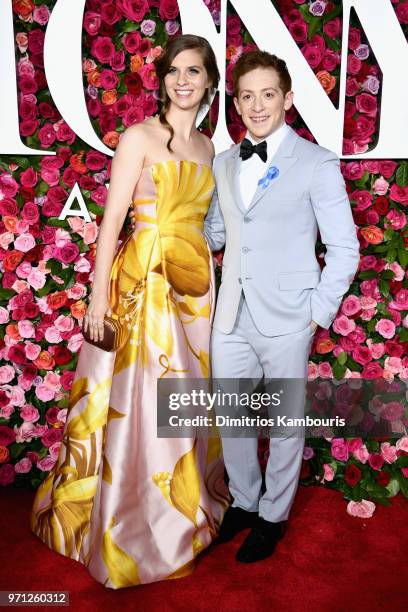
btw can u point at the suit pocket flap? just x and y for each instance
(298, 280)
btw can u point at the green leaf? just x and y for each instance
(403, 257)
(387, 274)
(307, 15)
(342, 358)
(367, 275)
(403, 335)
(353, 365)
(339, 370)
(56, 222)
(314, 26)
(337, 10)
(391, 256)
(384, 287)
(403, 483)
(393, 487)
(388, 234)
(333, 44)
(402, 175)
(6, 295)
(376, 490)
(94, 208)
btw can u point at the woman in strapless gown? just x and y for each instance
(132, 507)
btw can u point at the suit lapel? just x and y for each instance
(283, 160)
(233, 169)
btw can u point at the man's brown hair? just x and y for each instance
(261, 59)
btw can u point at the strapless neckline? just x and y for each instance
(177, 161)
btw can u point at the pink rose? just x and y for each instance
(41, 14)
(36, 278)
(392, 411)
(313, 54)
(397, 220)
(339, 449)
(32, 350)
(24, 242)
(149, 76)
(393, 365)
(385, 328)
(377, 349)
(328, 473)
(353, 64)
(354, 38)
(387, 168)
(325, 370)
(75, 343)
(366, 103)
(355, 444)
(54, 449)
(376, 461)
(103, 49)
(46, 464)
(29, 413)
(44, 393)
(22, 41)
(372, 370)
(63, 323)
(90, 233)
(52, 335)
(362, 355)
(26, 329)
(92, 22)
(6, 374)
(361, 454)
(23, 466)
(135, 10)
(350, 306)
(402, 444)
(343, 325)
(380, 186)
(389, 452)
(8, 186)
(399, 194)
(362, 509)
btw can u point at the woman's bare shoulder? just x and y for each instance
(208, 144)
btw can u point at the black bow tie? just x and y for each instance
(247, 149)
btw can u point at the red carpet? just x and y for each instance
(327, 560)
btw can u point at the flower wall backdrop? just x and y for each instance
(47, 264)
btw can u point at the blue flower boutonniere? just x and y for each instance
(271, 174)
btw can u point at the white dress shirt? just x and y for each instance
(253, 169)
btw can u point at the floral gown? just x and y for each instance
(132, 507)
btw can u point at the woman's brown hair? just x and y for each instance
(164, 62)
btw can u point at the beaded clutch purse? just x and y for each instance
(112, 335)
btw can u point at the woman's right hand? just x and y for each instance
(98, 307)
(132, 218)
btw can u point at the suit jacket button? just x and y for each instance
(245, 249)
(247, 219)
(240, 281)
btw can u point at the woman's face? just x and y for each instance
(187, 80)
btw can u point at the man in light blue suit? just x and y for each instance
(274, 191)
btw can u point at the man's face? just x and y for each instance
(261, 102)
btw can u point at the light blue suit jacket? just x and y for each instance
(270, 247)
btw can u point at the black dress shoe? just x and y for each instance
(235, 520)
(261, 541)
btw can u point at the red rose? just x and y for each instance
(28, 128)
(27, 108)
(376, 460)
(30, 372)
(132, 41)
(372, 370)
(48, 234)
(387, 168)
(46, 110)
(51, 209)
(57, 300)
(12, 260)
(103, 49)
(95, 160)
(8, 280)
(22, 298)
(352, 475)
(313, 54)
(366, 103)
(399, 194)
(7, 435)
(65, 134)
(51, 436)
(23, 7)
(62, 355)
(8, 207)
(168, 9)
(17, 354)
(31, 310)
(332, 28)
(353, 64)
(87, 182)
(7, 473)
(362, 355)
(354, 38)
(36, 41)
(99, 195)
(133, 82)
(118, 61)
(30, 212)
(68, 253)
(383, 478)
(66, 380)
(92, 22)
(110, 13)
(381, 205)
(402, 12)
(135, 10)
(47, 135)
(298, 29)
(29, 178)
